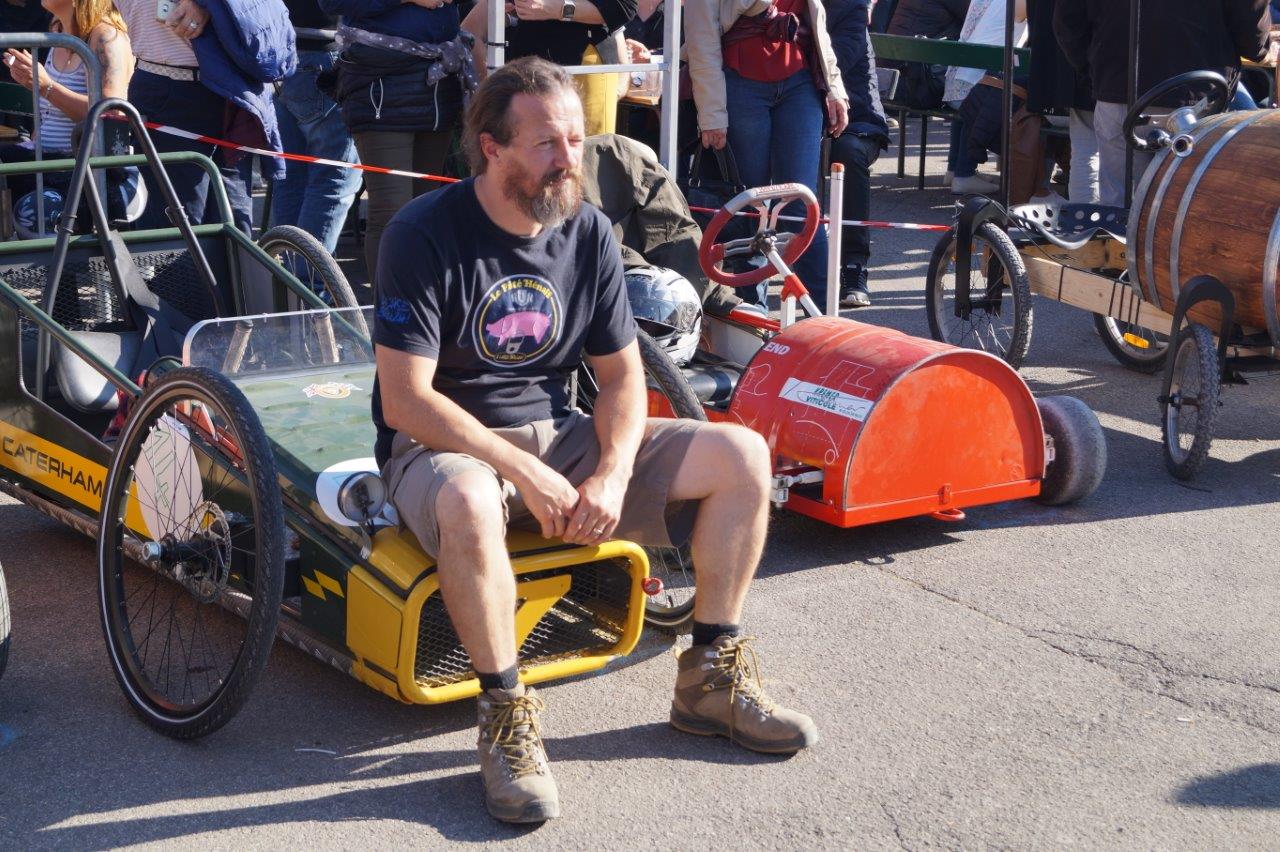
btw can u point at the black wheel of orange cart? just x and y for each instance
(671, 608)
(999, 317)
(1079, 450)
(190, 553)
(1191, 407)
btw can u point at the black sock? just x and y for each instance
(508, 678)
(705, 634)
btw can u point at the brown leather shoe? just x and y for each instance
(518, 786)
(718, 693)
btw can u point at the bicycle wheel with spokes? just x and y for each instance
(672, 608)
(1191, 406)
(1134, 346)
(190, 553)
(999, 317)
(304, 256)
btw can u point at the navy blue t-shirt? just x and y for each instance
(506, 318)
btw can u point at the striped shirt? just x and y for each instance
(153, 40)
(55, 125)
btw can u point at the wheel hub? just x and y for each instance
(200, 561)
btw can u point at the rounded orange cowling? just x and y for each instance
(900, 426)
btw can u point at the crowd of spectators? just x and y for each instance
(784, 85)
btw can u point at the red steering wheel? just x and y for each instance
(711, 253)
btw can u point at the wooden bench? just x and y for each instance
(989, 58)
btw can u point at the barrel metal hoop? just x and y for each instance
(1189, 194)
(1270, 269)
(1149, 239)
(1147, 283)
(1135, 213)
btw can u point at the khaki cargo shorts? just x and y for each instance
(415, 474)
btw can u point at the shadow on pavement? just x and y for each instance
(1256, 786)
(452, 805)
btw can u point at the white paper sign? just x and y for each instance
(827, 399)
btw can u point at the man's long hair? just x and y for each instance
(490, 107)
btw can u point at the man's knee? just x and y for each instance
(470, 505)
(744, 454)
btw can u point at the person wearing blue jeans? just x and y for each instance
(313, 197)
(769, 87)
(186, 104)
(775, 132)
(960, 162)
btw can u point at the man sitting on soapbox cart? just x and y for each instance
(489, 294)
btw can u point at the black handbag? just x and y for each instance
(712, 182)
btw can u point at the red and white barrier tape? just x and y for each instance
(365, 167)
(848, 223)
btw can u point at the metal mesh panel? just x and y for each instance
(172, 276)
(88, 299)
(589, 619)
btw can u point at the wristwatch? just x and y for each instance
(567, 10)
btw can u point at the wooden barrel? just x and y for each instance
(1214, 212)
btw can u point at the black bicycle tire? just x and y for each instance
(1019, 289)
(335, 281)
(6, 625)
(684, 403)
(1210, 374)
(260, 472)
(1121, 351)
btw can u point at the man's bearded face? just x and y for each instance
(550, 199)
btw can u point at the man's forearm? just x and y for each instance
(619, 415)
(587, 12)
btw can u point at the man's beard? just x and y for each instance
(554, 198)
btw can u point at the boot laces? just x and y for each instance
(739, 669)
(515, 729)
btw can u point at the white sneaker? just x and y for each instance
(973, 185)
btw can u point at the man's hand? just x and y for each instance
(426, 4)
(639, 52)
(548, 496)
(715, 138)
(538, 10)
(838, 112)
(187, 19)
(599, 508)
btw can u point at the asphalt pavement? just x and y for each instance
(1101, 676)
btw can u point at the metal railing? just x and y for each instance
(93, 88)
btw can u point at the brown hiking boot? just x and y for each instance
(518, 786)
(718, 692)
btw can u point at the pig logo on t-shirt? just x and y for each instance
(517, 321)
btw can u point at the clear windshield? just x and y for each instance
(275, 343)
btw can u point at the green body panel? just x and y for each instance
(310, 434)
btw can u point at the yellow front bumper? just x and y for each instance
(578, 608)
